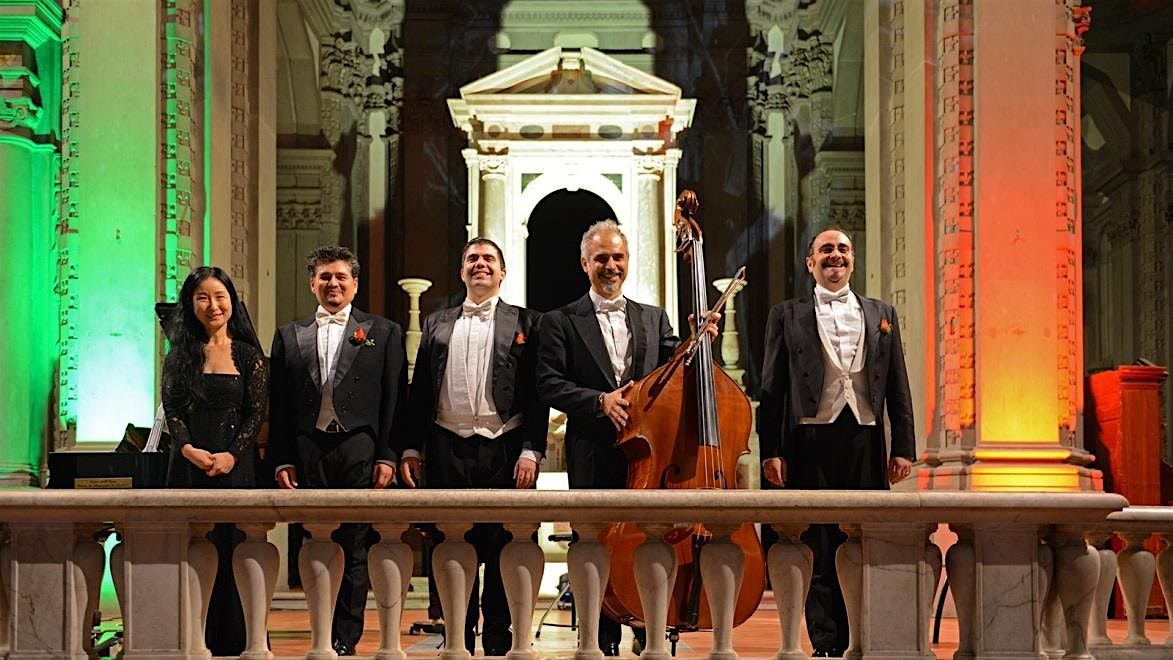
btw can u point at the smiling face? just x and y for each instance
(605, 263)
(831, 260)
(212, 305)
(482, 271)
(334, 285)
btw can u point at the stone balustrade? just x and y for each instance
(1016, 555)
(1134, 567)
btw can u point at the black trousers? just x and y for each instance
(344, 460)
(479, 462)
(842, 455)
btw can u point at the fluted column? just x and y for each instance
(655, 574)
(202, 566)
(454, 564)
(493, 168)
(522, 564)
(1136, 569)
(254, 566)
(320, 565)
(472, 162)
(791, 563)
(849, 566)
(589, 565)
(390, 566)
(722, 568)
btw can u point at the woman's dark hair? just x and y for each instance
(188, 337)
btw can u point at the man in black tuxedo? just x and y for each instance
(475, 415)
(833, 365)
(339, 385)
(591, 351)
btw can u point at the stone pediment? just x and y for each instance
(564, 93)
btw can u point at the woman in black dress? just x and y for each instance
(215, 389)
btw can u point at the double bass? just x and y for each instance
(689, 424)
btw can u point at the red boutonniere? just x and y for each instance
(519, 338)
(885, 327)
(359, 336)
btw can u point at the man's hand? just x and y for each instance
(287, 478)
(711, 331)
(525, 472)
(775, 471)
(198, 457)
(409, 470)
(222, 463)
(384, 475)
(615, 406)
(898, 469)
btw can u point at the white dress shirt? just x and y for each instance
(466, 406)
(330, 329)
(612, 317)
(841, 333)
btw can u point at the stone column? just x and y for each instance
(1008, 587)
(47, 621)
(390, 563)
(254, 565)
(1009, 174)
(522, 564)
(202, 566)
(493, 168)
(649, 230)
(320, 565)
(414, 286)
(472, 161)
(730, 339)
(154, 597)
(791, 563)
(669, 259)
(30, 128)
(454, 565)
(896, 563)
(589, 566)
(1137, 567)
(655, 574)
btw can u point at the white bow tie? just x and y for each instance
(840, 296)
(326, 318)
(482, 311)
(617, 305)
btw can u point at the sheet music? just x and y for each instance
(152, 445)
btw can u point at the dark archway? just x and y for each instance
(553, 273)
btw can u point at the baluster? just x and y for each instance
(5, 591)
(390, 563)
(1136, 570)
(930, 578)
(655, 576)
(320, 565)
(1052, 629)
(254, 567)
(960, 561)
(849, 566)
(454, 563)
(589, 566)
(1077, 570)
(201, 572)
(1098, 625)
(89, 560)
(1165, 577)
(522, 564)
(791, 563)
(722, 569)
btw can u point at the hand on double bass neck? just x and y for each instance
(614, 406)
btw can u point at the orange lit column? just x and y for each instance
(1008, 249)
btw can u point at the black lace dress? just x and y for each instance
(228, 418)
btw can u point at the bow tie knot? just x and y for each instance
(828, 297)
(607, 306)
(481, 311)
(326, 318)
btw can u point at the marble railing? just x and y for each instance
(1015, 554)
(1134, 567)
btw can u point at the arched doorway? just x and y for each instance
(555, 226)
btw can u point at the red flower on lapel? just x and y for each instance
(359, 336)
(885, 327)
(519, 338)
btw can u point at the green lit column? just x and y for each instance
(30, 57)
(112, 260)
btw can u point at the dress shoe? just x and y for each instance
(610, 649)
(342, 648)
